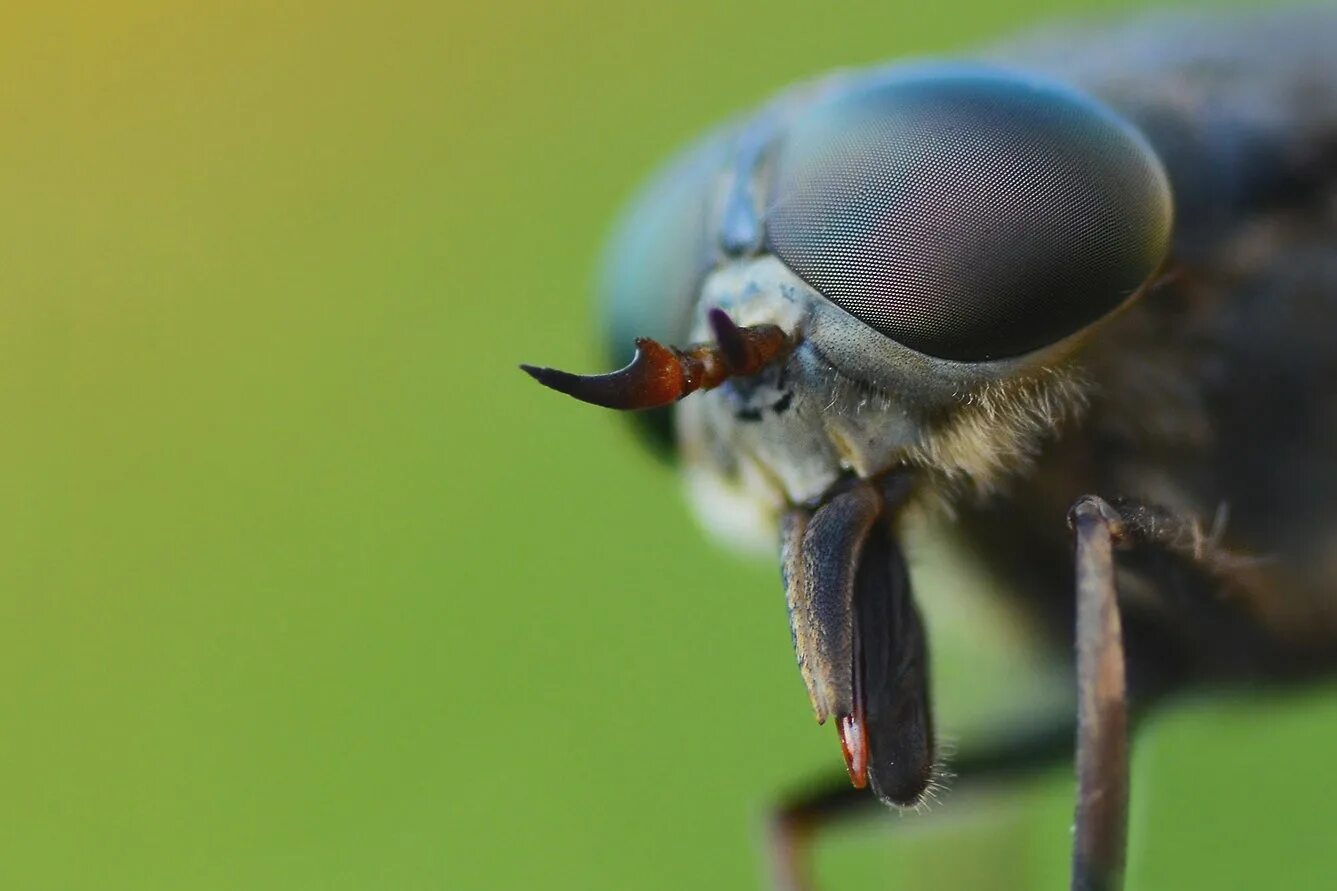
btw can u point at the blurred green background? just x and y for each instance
(304, 586)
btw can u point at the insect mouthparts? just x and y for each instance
(854, 746)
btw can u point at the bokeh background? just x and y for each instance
(304, 586)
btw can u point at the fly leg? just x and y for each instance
(796, 823)
(1100, 836)
(1211, 603)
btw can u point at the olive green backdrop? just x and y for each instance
(304, 586)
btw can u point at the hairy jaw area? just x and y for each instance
(995, 432)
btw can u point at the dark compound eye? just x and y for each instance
(967, 214)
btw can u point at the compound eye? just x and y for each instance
(968, 214)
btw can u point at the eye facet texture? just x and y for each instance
(967, 214)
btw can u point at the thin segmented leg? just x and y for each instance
(1204, 597)
(795, 822)
(1100, 836)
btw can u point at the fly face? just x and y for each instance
(886, 278)
(899, 284)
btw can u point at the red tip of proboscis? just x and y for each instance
(854, 746)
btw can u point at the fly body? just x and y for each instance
(1082, 285)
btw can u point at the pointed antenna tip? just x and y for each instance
(549, 377)
(653, 378)
(561, 381)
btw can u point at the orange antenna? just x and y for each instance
(660, 375)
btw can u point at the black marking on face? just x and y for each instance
(751, 397)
